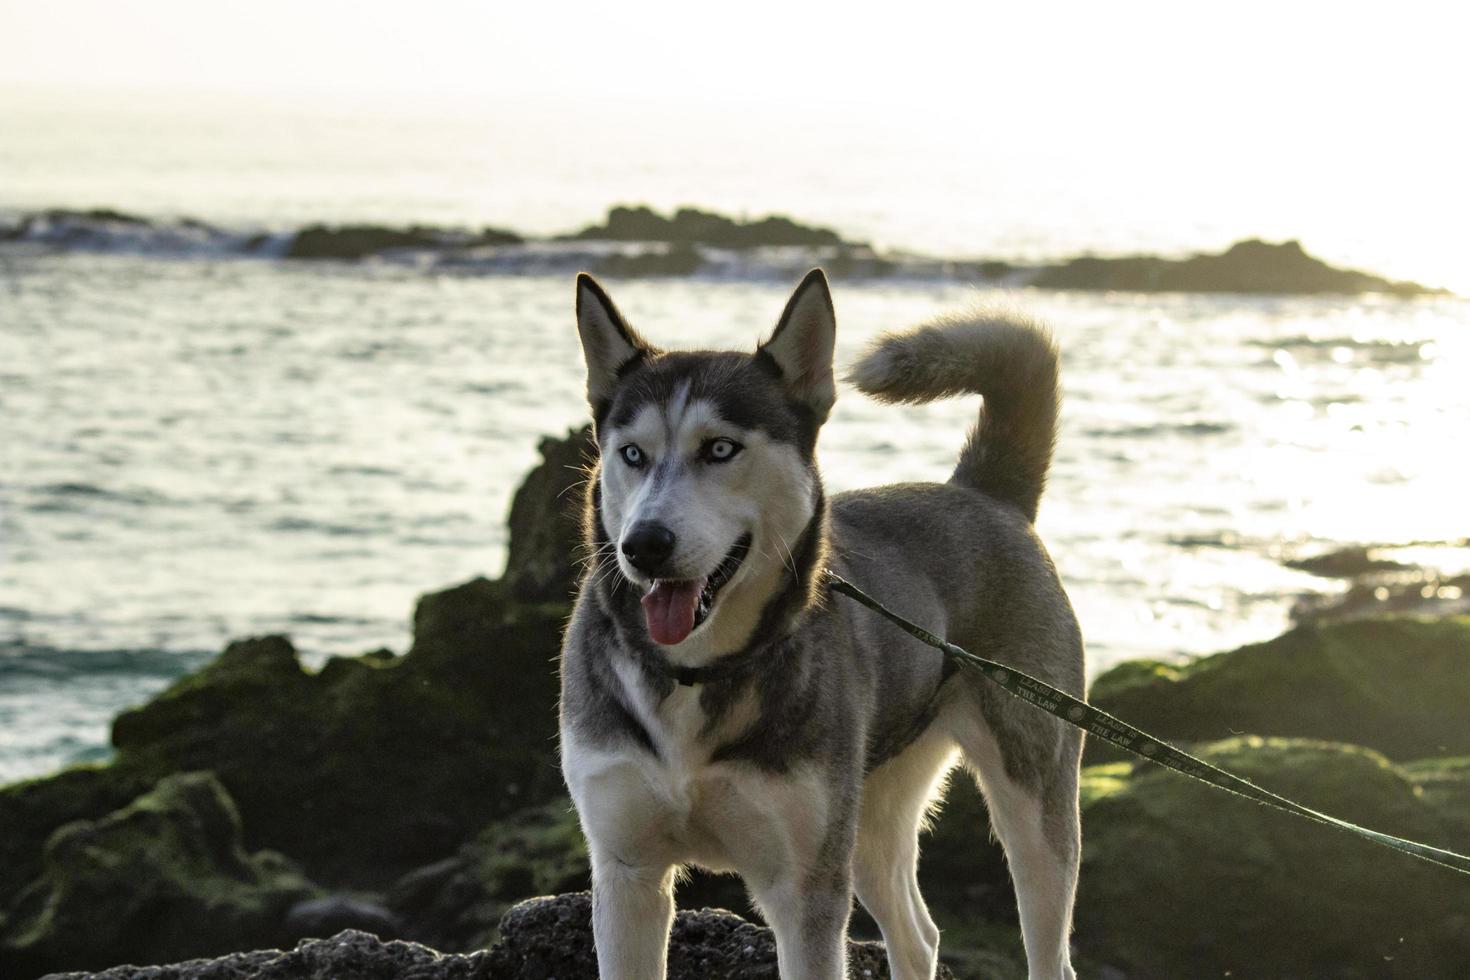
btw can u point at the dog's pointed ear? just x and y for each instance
(608, 343)
(802, 345)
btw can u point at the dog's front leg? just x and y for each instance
(809, 917)
(632, 910)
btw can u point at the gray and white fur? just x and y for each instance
(791, 735)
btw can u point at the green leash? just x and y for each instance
(1100, 724)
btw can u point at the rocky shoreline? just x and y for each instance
(639, 242)
(254, 805)
(540, 939)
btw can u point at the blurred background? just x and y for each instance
(286, 294)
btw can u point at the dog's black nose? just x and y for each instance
(648, 545)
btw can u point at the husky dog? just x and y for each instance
(722, 708)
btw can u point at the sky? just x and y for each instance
(1358, 102)
(1284, 65)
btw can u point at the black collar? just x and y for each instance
(720, 669)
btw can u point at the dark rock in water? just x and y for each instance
(353, 241)
(164, 878)
(1396, 685)
(361, 241)
(691, 226)
(682, 259)
(93, 215)
(546, 521)
(319, 917)
(1344, 563)
(1250, 266)
(1410, 592)
(1182, 880)
(857, 262)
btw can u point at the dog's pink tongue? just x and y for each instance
(669, 610)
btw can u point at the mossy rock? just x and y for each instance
(1248, 266)
(30, 811)
(165, 878)
(361, 771)
(543, 561)
(362, 241)
(1179, 879)
(692, 226)
(456, 904)
(1397, 685)
(400, 760)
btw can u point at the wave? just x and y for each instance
(1377, 349)
(1162, 429)
(636, 242)
(53, 494)
(20, 660)
(484, 252)
(109, 231)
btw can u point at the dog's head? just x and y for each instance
(707, 496)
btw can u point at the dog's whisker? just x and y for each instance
(790, 560)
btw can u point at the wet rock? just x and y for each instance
(353, 241)
(1419, 592)
(542, 564)
(401, 759)
(691, 226)
(1395, 685)
(1250, 266)
(88, 216)
(857, 262)
(165, 878)
(1180, 879)
(1345, 563)
(680, 259)
(361, 241)
(362, 771)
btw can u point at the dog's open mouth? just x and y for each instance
(674, 608)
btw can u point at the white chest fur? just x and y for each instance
(679, 807)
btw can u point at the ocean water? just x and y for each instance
(196, 447)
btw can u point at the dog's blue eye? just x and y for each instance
(632, 455)
(721, 450)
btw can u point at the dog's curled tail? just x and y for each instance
(1010, 361)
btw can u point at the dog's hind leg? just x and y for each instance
(632, 912)
(896, 798)
(1030, 788)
